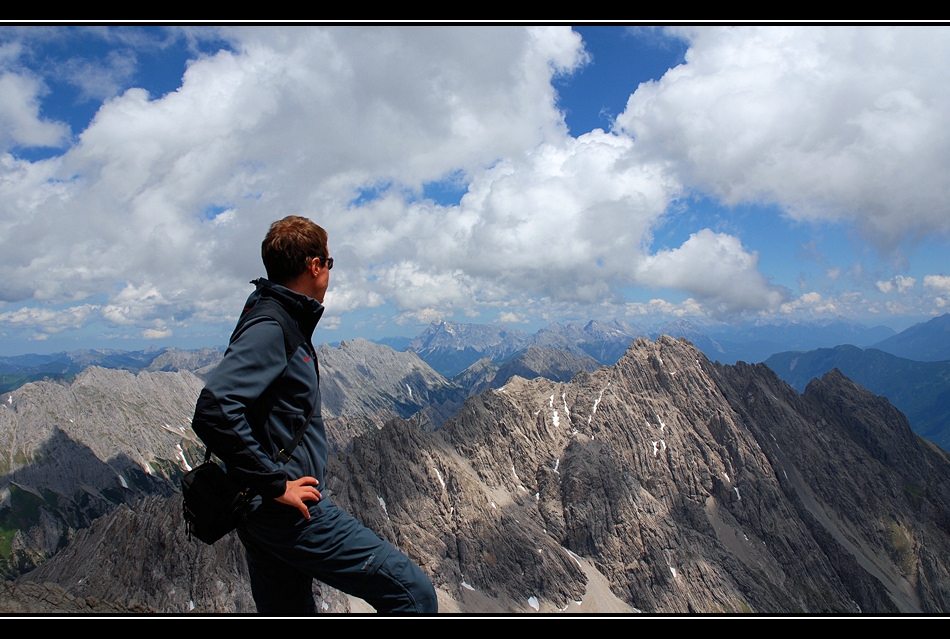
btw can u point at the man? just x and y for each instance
(264, 390)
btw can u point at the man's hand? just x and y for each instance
(299, 491)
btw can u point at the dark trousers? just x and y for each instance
(285, 552)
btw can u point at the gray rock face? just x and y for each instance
(692, 487)
(477, 376)
(115, 412)
(72, 452)
(363, 385)
(201, 361)
(31, 598)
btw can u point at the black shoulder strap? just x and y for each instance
(284, 453)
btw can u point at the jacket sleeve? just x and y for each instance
(254, 359)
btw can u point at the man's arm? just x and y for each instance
(253, 361)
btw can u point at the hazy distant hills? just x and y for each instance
(451, 347)
(924, 342)
(756, 342)
(20, 369)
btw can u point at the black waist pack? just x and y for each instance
(213, 504)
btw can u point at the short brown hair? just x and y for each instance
(289, 245)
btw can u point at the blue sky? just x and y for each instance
(483, 174)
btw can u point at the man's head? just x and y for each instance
(288, 251)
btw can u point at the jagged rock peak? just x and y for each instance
(690, 486)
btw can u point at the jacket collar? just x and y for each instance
(305, 310)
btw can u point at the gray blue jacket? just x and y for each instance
(262, 392)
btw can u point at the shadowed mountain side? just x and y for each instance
(921, 390)
(64, 490)
(72, 452)
(875, 495)
(140, 556)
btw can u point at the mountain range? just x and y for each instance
(537, 478)
(451, 360)
(451, 347)
(911, 369)
(454, 360)
(662, 483)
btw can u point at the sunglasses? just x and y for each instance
(327, 260)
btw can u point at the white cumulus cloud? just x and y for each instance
(939, 284)
(20, 121)
(831, 123)
(716, 268)
(170, 195)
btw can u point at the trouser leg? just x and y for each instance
(399, 585)
(278, 588)
(339, 551)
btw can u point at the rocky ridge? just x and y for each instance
(74, 451)
(363, 385)
(692, 487)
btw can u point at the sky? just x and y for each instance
(513, 174)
